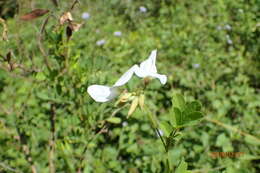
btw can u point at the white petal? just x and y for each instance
(102, 93)
(140, 72)
(149, 64)
(126, 76)
(162, 78)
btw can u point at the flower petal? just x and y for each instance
(148, 65)
(126, 76)
(102, 93)
(162, 78)
(140, 72)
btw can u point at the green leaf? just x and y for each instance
(252, 140)
(40, 76)
(166, 128)
(176, 118)
(193, 106)
(182, 168)
(42, 96)
(178, 101)
(114, 120)
(192, 116)
(224, 142)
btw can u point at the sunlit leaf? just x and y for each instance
(133, 106)
(66, 17)
(182, 168)
(166, 128)
(178, 101)
(114, 120)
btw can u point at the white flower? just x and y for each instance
(103, 93)
(148, 69)
(100, 42)
(143, 9)
(117, 33)
(85, 15)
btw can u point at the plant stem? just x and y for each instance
(154, 122)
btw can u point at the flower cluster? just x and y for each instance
(103, 93)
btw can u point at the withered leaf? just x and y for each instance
(72, 27)
(5, 30)
(66, 17)
(133, 107)
(34, 14)
(75, 26)
(8, 57)
(68, 32)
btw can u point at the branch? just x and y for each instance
(232, 128)
(39, 42)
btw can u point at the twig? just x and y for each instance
(55, 2)
(74, 3)
(6, 167)
(231, 128)
(40, 39)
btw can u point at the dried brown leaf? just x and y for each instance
(72, 27)
(8, 57)
(75, 26)
(133, 107)
(66, 17)
(141, 101)
(5, 30)
(34, 14)
(68, 32)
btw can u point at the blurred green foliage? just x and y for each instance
(8, 8)
(208, 49)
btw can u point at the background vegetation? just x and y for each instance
(208, 49)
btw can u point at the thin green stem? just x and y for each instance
(154, 122)
(164, 144)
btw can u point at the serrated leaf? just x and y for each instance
(166, 128)
(114, 120)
